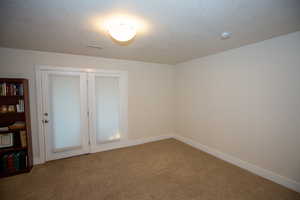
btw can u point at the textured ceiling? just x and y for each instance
(170, 31)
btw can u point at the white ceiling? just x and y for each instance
(171, 31)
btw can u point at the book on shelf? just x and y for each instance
(10, 163)
(20, 106)
(11, 139)
(3, 162)
(4, 129)
(23, 138)
(13, 162)
(11, 89)
(23, 160)
(6, 140)
(17, 139)
(17, 161)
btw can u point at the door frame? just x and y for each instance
(123, 104)
(83, 148)
(94, 146)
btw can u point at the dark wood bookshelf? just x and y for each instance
(8, 118)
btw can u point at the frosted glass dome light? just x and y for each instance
(121, 30)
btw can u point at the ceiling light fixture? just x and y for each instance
(121, 29)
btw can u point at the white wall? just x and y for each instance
(149, 88)
(245, 102)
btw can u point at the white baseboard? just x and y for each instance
(36, 161)
(117, 145)
(289, 183)
(128, 143)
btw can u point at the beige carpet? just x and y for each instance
(166, 170)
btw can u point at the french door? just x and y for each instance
(82, 112)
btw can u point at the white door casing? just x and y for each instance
(54, 120)
(121, 79)
(88, 132)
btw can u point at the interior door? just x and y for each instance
(105, 107)
(65, 114)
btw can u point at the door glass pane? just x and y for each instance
(107, 108)
(64, 96)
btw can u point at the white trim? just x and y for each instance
(128, 143)
(16, 75)
(39, 100)
(37, 161)
(39, 69)
(76, 69)
(289, 183)
(123, 115)
(121, 144)
(83, 148)
(57, 68)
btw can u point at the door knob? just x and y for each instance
(45, 121)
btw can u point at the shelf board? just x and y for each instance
(12, 96)
(12, 80)
(10, 100)
(12, 113)
(12, 116)
(13, 130)
(8, 149)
